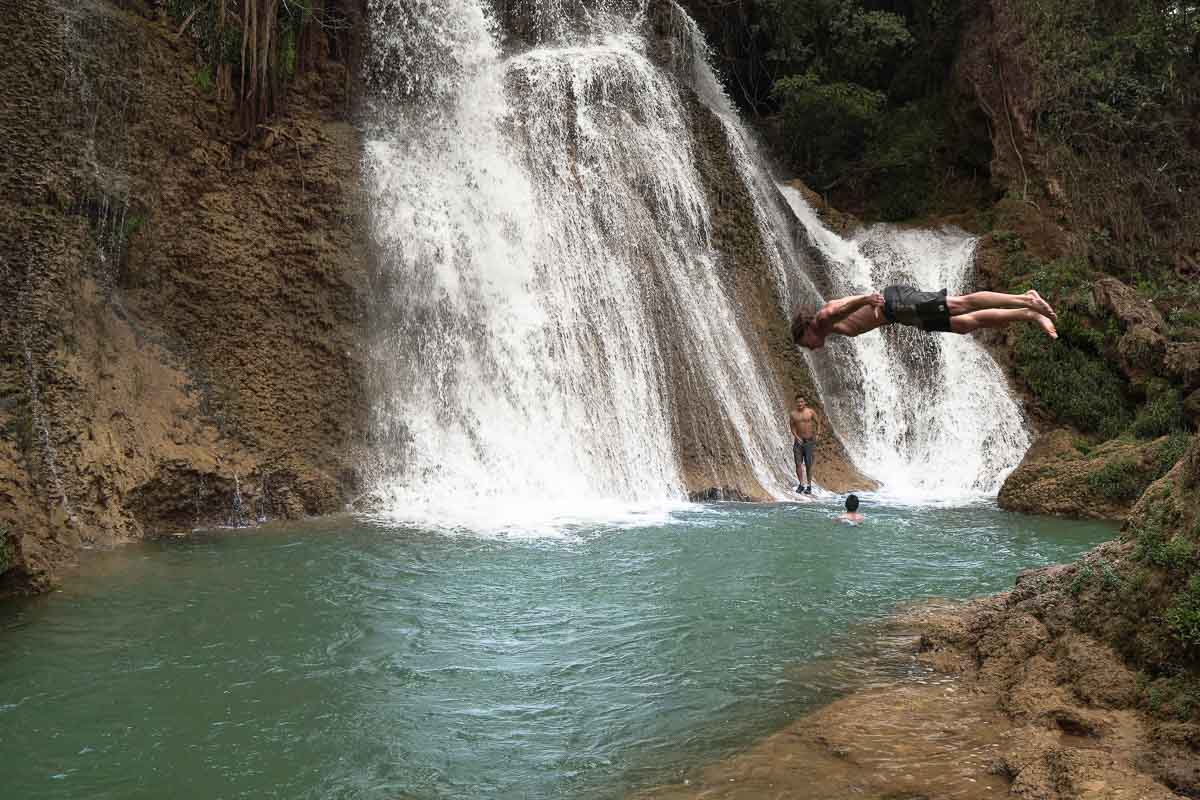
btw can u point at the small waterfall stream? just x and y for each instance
(930, 416)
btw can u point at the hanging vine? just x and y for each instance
(250, 49)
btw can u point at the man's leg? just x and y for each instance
(998, 318)
(798, 457)
(808, 459)
(980, 301)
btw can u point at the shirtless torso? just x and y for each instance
(804, 423)
(864, 320)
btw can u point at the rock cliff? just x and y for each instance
(181, 301)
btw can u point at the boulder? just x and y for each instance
(1142, 350)
(1191, 407)
(1183, 362)
(1126, 305)
(1058, 478)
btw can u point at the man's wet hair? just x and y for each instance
(800, 320)
(852, 503)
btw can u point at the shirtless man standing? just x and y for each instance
(928, 311)
(806, 426)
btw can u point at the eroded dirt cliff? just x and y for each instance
(180, 300)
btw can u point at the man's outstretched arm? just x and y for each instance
(835, 311)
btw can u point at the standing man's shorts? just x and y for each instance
(925, 310)
(802, 451)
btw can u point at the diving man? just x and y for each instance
(928, 311)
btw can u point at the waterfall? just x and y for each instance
(930, 416)
(548, 297)
(549, 312)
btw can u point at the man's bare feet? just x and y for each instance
(1039, 305)
(1046, 325)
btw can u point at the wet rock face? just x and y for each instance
(181, 344)
(750, 275)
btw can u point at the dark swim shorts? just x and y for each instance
(802, 451)
(925, 310)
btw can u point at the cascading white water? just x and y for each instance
(930, 416)
(545, 246)
(546, 266)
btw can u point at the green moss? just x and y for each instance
(1081, 580)
(203, 79)
(1175, 696)
(1121, 481)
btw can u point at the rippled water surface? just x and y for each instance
(341, 658)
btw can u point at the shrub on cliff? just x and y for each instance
(1183, 617)
(1073, 382)
(1162, 413)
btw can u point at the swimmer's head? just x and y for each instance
(852, 503)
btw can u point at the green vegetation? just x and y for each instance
(1109, 578)
(8, 555)
(1075, 383)
(1161, 539)
(864, 98)
(1116, 87)
(857, 95)
(1183, 617)
(203, 79)
(1175, 696)
(1076, 377)
(1170, 452)
(1083, 576)
(1162, 414)
(248, 49)
(1121, 481)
